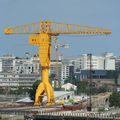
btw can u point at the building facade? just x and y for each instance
(53, 68)
(7, 63)
(117, 63)
(18, 71)
(105, 61)
(81, 66)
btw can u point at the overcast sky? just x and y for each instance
(98, 13)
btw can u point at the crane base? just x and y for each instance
(44, 88)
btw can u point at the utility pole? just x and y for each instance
(56, 82)
(89, 107)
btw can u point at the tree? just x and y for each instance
(33, 90)
(82, 87)
(114, 99)
(52, 77)
(103, 88)
(71, 79)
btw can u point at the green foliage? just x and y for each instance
(1, 91)
(114, 99)
(101, 109)
(52, 77)
(84, 86)
(103, 89)
(33, 90)
(71, 101)
(70, 80)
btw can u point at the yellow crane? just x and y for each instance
(43, 32)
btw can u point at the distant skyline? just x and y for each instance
(53, 58)
(96, 13)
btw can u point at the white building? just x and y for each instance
(0, 65)
(109, 61)
(69, 86)
(102, 62)
(67, 68)
(27, 66)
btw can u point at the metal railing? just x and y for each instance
(66, 114)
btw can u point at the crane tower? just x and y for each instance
(41, 36)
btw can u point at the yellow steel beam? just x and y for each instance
(54, 29)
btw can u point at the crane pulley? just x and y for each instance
(43, 32)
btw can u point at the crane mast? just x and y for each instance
(41, 36)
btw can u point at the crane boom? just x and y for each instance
(54, 29)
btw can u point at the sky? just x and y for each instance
(96, 13)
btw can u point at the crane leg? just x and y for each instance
(44, 87)
(45, 56)
(39, 92)
(49, 92)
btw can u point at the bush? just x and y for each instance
(114, 99)
(33, 90)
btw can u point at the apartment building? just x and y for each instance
(6, 63)
(26, 66)
(117, 63)
(16, 71)
(105, 61)
(109, 61)
(68, 65)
